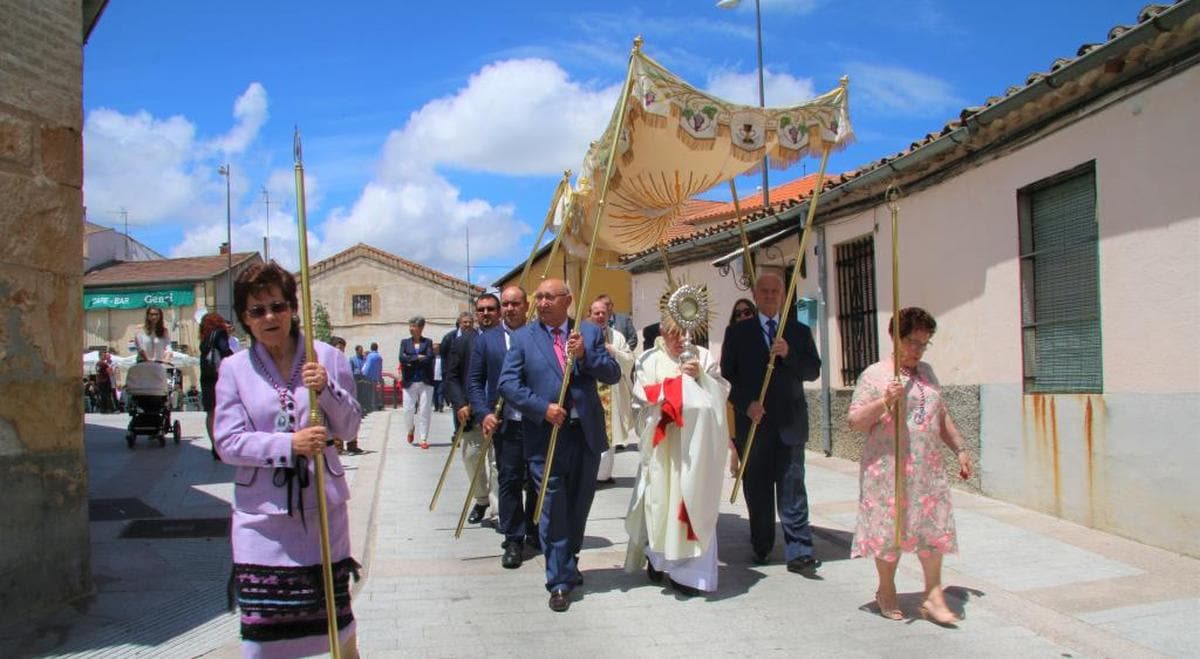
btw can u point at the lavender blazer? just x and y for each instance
(244, 428)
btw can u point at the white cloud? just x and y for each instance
(515, 117)
(124, 152)
(249, 113)
(901, 91)
(780, 89)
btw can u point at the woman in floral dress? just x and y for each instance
(928, 522)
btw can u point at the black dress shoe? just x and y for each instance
(512, 558)
(654, 575)
(686, 591)
(805, 565)
(477, 512)
(533, 542)
(761, 559)
(560, 601)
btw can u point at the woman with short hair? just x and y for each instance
(262, 409)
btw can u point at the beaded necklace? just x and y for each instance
(285, 419)
(919, 412)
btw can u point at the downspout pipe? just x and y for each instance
(823, 324)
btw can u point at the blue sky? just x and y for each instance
(423, 120)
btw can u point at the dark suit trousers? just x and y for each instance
(569, 495)
(775, 473)
(516, 509)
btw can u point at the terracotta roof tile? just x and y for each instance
(191, 268)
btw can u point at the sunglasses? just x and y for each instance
(277, 307)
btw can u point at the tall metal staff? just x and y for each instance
(537, 243)
(747, 259)
(499, 408)
(786, 309)
(893, 197)
(315, 417)
(623, 99)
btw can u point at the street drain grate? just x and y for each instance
(109, 510)
(214, 527)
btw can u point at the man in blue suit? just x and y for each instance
(530, 381)
(505, 429)
(775, 471)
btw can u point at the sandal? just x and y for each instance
(890, 612)
(943, 617)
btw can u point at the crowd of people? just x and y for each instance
(500, 373)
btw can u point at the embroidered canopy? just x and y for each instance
(677, 142)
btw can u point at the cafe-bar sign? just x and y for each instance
(170, 297)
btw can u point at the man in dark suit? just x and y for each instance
(530, 381)
(458, 363)
(620, 322)
(506, 429)
(775, 471)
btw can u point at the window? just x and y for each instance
(856, 307)
(1060, 284)
(361, 305)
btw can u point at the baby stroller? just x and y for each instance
(146, 392)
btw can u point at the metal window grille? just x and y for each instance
(1060, 284)
(361, 305)
(857, 308)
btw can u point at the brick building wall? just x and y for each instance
(44, 554)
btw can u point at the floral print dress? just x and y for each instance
(928, 520)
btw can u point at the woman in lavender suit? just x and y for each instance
(262, 410)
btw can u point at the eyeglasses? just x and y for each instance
(917, 345)
(548, 296)
(277, 307)
(486, 309)
(744, 312)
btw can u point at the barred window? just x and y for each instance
(361, 305)
(1060, 284)
(857, 324)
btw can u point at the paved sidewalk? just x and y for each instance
(1028, 584)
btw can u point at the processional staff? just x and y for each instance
(893, 198)
(558, 192)
(499, 408)
(315, 418)
(826, 147)
(623, 99)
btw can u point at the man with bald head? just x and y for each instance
(540, 355)
(775, 470)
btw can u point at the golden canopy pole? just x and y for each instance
(662, 252)
(623, 99)
(747, 259)
(314, 411)
(898, 418)
(785, 310)
(537, 243)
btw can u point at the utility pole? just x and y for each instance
(125, 215)
(267, 238)
(223, 170)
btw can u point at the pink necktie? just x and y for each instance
(560, 349)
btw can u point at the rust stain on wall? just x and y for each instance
(1055, 456)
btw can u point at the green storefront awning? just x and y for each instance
(138, 299)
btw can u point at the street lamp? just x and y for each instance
(223, 170)
(762, 98)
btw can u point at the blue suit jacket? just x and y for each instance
(483, 376)
(531, 379)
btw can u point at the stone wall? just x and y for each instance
(44, 554)
(962, 401)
